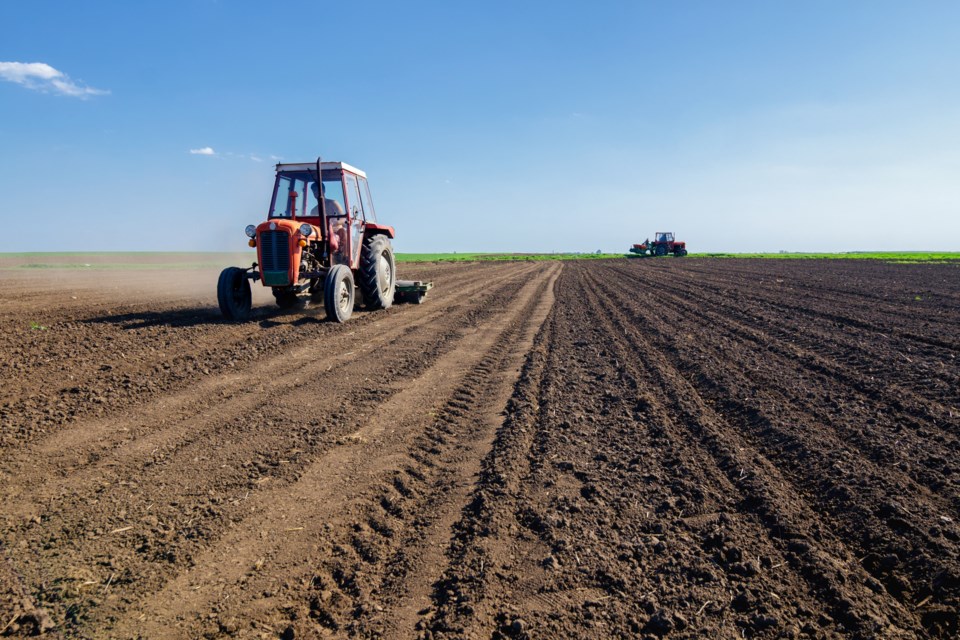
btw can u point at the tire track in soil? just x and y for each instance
(416, 565)
(169, 531)
(335, 503)
(99, 363)
(172, 422)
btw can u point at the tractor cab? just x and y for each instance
(338, 205)
(664, 236)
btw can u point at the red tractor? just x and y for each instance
(321, 237)
(663, 244)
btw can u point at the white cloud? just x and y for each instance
(43, 77)
(209, 151)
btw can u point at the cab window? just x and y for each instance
(294, 195)
(333, 193)
(367, 201)
(353, 196)
(333, 190)
(287, 192)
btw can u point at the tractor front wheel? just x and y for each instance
(680, 253)
(233, 294)
(378, 272)
(338, 293)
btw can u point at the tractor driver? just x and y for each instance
(338, 227)
(332, 207)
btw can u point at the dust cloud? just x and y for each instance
(122, 277)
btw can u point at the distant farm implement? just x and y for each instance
(664, 243)
(321, 238)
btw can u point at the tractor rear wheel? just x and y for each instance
(338, 293)
(661, 250)
(233, 294)
(378, 272)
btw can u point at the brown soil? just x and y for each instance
(621, 448)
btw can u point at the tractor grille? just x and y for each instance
(275, 257)
(274, 251)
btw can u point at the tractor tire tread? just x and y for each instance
(331, 287)
(368, 276)
(233, 294)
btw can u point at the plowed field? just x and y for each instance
(636, 448)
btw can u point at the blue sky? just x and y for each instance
(494, 126)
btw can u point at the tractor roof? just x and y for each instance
(312, 166)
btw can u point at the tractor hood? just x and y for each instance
(278, 250)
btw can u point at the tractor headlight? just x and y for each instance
(250, 231)
(306, 230)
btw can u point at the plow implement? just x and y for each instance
(412, 291)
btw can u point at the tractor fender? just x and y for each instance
(373, 228)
